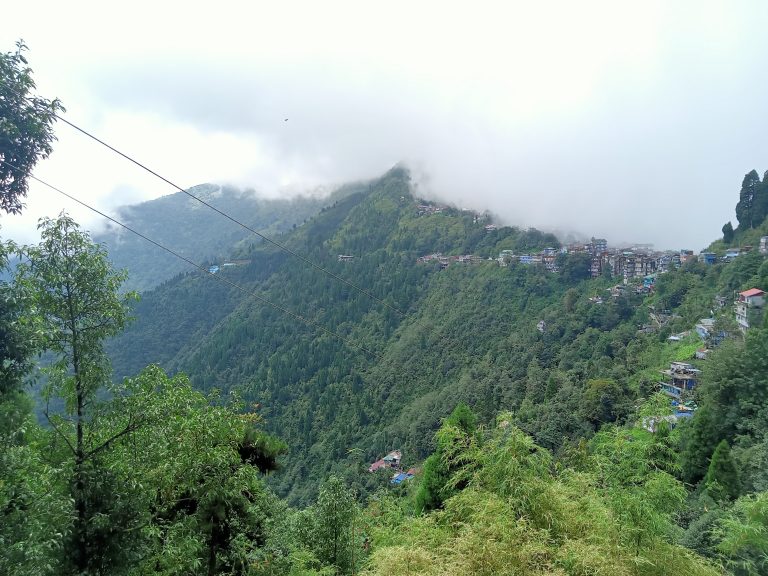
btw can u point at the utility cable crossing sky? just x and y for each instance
(235, 220)
(205, 271)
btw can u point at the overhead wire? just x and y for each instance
(235, 220)
(227, 216)
(207, 272)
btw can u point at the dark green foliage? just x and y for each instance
(728, 232)
(467, 334)
(575, 267)
(604, 401)
(17, 337)
(26, 128)
(701, 536)
(752, 207)
(671, 289)
(261, 450)
(745, 206)
(722, 478)
(171, 479)
(455, 435)
(734, 397)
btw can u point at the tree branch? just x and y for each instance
(131, 427)
(59, 432)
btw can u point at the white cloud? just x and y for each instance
(633, 121)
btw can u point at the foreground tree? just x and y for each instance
(722, 478)
(453, 438)
(76, 301)
(733, 399)
(336, 514)
(26, 128)
(201, 504)
(34, 510)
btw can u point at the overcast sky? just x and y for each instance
(634, 121)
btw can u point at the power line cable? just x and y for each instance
(235, 220)
(219, 277)
(224, 214)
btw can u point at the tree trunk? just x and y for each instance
(79, 496)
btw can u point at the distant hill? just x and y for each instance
(198, 233)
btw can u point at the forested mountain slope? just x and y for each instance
(188, 227)
(464, 333)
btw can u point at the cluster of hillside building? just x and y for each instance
(681, 378)
(445, 261)
(638, 261)
(638, 265)
(392, 463)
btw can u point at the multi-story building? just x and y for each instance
(599, 246)
(749, 308)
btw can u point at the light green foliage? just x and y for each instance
(26, 128)
(337, 540)
(34, 507)
(744, 536)
(203, 505)
(634, 466)
(518, 516)
(74, 296)
(35, 512)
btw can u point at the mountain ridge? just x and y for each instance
(186, 226)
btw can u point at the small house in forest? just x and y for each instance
(681, 378)
(389, 462)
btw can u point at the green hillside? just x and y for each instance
(466, 333)
(196, 232)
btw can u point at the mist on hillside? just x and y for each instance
(631, 123)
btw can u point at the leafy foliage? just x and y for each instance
(518, 515)
(26, 128)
